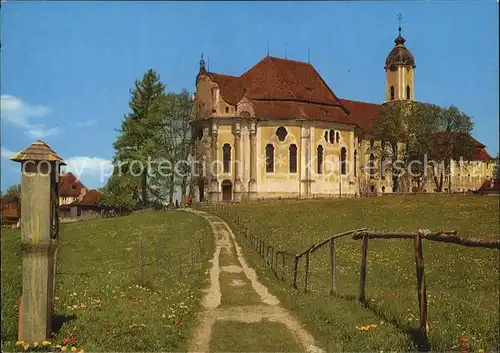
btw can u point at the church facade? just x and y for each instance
(278, 130)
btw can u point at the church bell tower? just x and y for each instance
(399, 71)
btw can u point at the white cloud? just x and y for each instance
(40, 131)
(6, 153)
(86, 123)
(26, 116)
(92, 171)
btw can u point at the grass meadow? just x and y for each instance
(462, 283)
(101, 297)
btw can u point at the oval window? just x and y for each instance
(281, 133)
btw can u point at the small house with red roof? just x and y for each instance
(75, 200)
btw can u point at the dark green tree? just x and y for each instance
(134, 144)
(451, 142)
(120, 190)
(405, 127)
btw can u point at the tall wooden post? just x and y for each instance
(333, 288)
(362, 279)
(421, 289)
(39, 237)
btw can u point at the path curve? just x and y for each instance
(269, 307)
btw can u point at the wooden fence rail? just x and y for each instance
(421, 234)
(313, 248)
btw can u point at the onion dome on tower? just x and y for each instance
(399, 71)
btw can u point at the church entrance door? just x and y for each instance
(227, 190)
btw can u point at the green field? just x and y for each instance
(462, 283)
(101, 297)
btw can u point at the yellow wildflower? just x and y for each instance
(46, 343)
(64, 349)
(481, 350)
(81, 351)
(19, 343)
(73, 349)
(26, 346)
(35, 344)
(58, 346)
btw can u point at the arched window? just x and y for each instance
(392, 93)
(326, 135)
(355, 163)
(372, 166)
(293, 158)
(408, 91)
(332, 136)
(372, 144)
(269, 158)
(343, 165)
(226, 157)
(337, 135)
(382, 159)
(320, 159)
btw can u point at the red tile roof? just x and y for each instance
(490, 185)
(482, 155)
(363, 114)
(69, 185)
(479, 155)
(92, 197)
(281, 89)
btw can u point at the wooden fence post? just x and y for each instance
(307, 271)
(332, 264)
(422, 291)
(295, 270)
(362, 279)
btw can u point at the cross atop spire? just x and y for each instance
(202, 63)
(400, 17)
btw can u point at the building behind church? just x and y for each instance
(279, 130)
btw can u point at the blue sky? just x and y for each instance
(67, 67)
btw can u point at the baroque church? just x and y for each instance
(279, 131)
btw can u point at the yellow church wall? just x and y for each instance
(330, 181)
(225, 135)
(279, 182)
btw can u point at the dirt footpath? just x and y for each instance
(235, 295)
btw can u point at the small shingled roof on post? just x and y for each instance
(38, 151)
